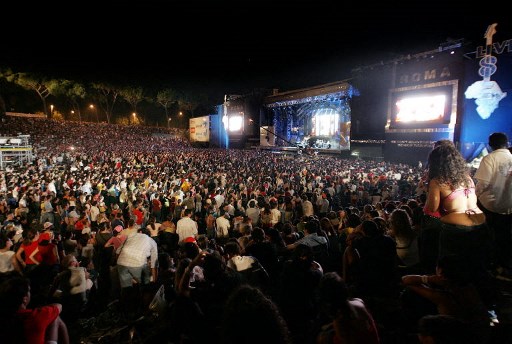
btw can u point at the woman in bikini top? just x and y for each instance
(451, 192)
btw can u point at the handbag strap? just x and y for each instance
(121, 248)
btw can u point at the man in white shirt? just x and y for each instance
(219, 197)
(223, 225)
(494, 192)
(93, 213)
(186, 227)
(133, 268)
(253, 211)
(307, 206)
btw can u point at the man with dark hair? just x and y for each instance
(494, 192)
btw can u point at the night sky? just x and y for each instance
(230, 47)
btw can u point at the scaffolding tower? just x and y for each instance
(15, 150)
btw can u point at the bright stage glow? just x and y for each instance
(235, 123)
(326, 122)
(421, 109)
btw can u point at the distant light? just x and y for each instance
(225, 121)
(452, 52)
(235, 123)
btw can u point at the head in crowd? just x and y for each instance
(333, 294)
(400, 223)
(498, 140)
(258, 234)
(30, 235)
(69, 261)
(303, 254)
(274, 235)
(190, 249)
(312, 226)
(213, 265)
(248, 305)
(232, 248)
(4, 241)
(381, 224)
(447, 165)
(353, 221)
(14, 292)
(370, 228)
(202, 242)
(443, 142)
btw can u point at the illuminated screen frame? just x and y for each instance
(447, 88)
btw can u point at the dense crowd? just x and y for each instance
(253, 245)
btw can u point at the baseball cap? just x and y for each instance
(118, 228)
(190, 239)
(47, 225)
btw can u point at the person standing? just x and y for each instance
(494, 192)
(136, 266)
(464, 231)
(186, 227)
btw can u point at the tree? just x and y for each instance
(31, 82)
(133, 96)
(73, 91)
(191, 103)
(166, 98)
(107, 95)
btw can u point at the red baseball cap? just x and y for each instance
(190, 239)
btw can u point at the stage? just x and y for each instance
(306, 151)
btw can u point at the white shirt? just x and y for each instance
(240, 263)
(6, 262)
(307, 208)
(494, 176)
(186, 227)
(94, 212)
(136, 250)
(223, 226)
(254, 214)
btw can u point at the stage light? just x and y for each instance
(235, 123)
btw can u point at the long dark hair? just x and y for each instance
(247, 305)
(448, 166)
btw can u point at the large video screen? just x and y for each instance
(199, 129)
(421, 107)
(326, 129)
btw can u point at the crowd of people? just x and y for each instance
(252, 245)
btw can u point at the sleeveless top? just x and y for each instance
(457, 193)
(461, 192)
